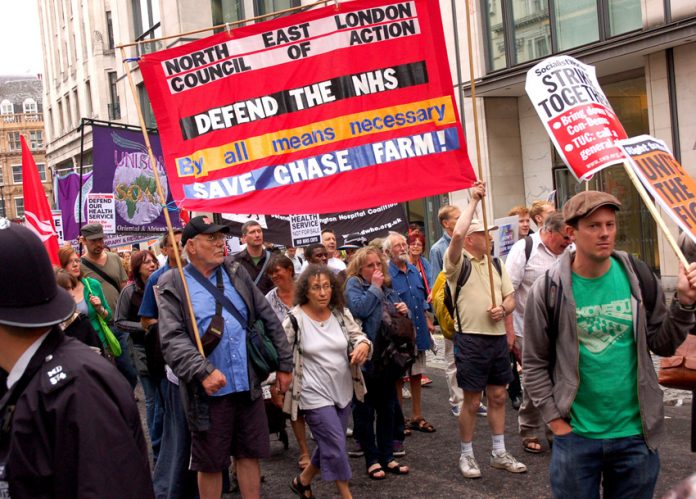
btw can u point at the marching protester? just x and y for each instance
(407, 282)
(87, 293)
(255, 257)
(223, 403)
(589, 329)
(416, 246)
(525, 263)
(281, 298)
(448, 216)
(297, 260)
(523, 221)
(328, 349)
(78, 325)
(369, 296)
(480, 340)
(171, 477)
(328, 239)
(71, 427)
(143, 264)
(351, 244)
(539, 210)
(107, 268)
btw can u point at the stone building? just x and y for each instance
(21, 113)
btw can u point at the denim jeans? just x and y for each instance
(381, 401)
(154, 411)
(172, 478)
(623, 467)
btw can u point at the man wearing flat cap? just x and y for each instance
(69, 426)
(481, 343)
(588, 338)
(221, 391)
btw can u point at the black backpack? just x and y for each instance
(554, 293)
(395, 346)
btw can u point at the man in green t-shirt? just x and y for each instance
(587, 359)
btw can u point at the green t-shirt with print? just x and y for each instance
(606, 405)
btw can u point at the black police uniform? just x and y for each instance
(71, 428)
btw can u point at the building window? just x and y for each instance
(227, 11)
(577, 23)
(88, 99)
(269, 6)
(29, 106)
(146, 23)
(14, 142)
(114, 104)
(146, 107)
(36, 140)
(110, 30)
(16, 174)
(526, 30)
(2, 207)
(2, 178)
(532, 30)
(19, 207)
(624, 16)
(7, 110)
(42, 171)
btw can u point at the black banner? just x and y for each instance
(370, 222)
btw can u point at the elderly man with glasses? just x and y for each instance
(223, 398)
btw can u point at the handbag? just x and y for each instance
(110, 340)
(679, 370)
(260, 350)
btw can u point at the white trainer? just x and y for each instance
(506, 461)
(469, 467)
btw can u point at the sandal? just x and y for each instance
(407, 428)
(396, 468)
(532, 445)
(420, 424)
(374, 472)
(300, 489)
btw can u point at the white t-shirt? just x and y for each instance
(326, 378)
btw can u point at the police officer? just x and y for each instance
(69, 426)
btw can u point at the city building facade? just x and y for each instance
(21, 114)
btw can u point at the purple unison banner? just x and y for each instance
(122, 167)
(68, 188)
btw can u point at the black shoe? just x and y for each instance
(516, 403)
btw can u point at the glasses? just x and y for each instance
(149, 261)
(316, 288)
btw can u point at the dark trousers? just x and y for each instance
(380, 401)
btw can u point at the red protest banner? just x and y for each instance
(331, 109)
(665, 179)
(576, 114)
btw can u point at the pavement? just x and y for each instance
(433, 457)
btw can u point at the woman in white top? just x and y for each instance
(328, 349)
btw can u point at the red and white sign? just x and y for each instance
(344, 107)
(576, 114)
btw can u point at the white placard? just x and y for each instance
(305, 229)
(101, 208)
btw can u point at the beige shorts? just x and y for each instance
(419, 365)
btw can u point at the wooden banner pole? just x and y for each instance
(472, 79)
(163, 200)
(655, 214)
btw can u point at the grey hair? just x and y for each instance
(554, 222)
(387, 243)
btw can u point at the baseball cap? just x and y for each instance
(585, 203)
(92, 231)
(29, 295)
(476, 225)
(201, 225)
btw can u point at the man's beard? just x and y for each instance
(403, 258)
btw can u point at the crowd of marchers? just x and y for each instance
(561, 329)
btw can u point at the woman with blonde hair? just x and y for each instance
(369, 297)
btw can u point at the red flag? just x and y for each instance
(36, 209)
